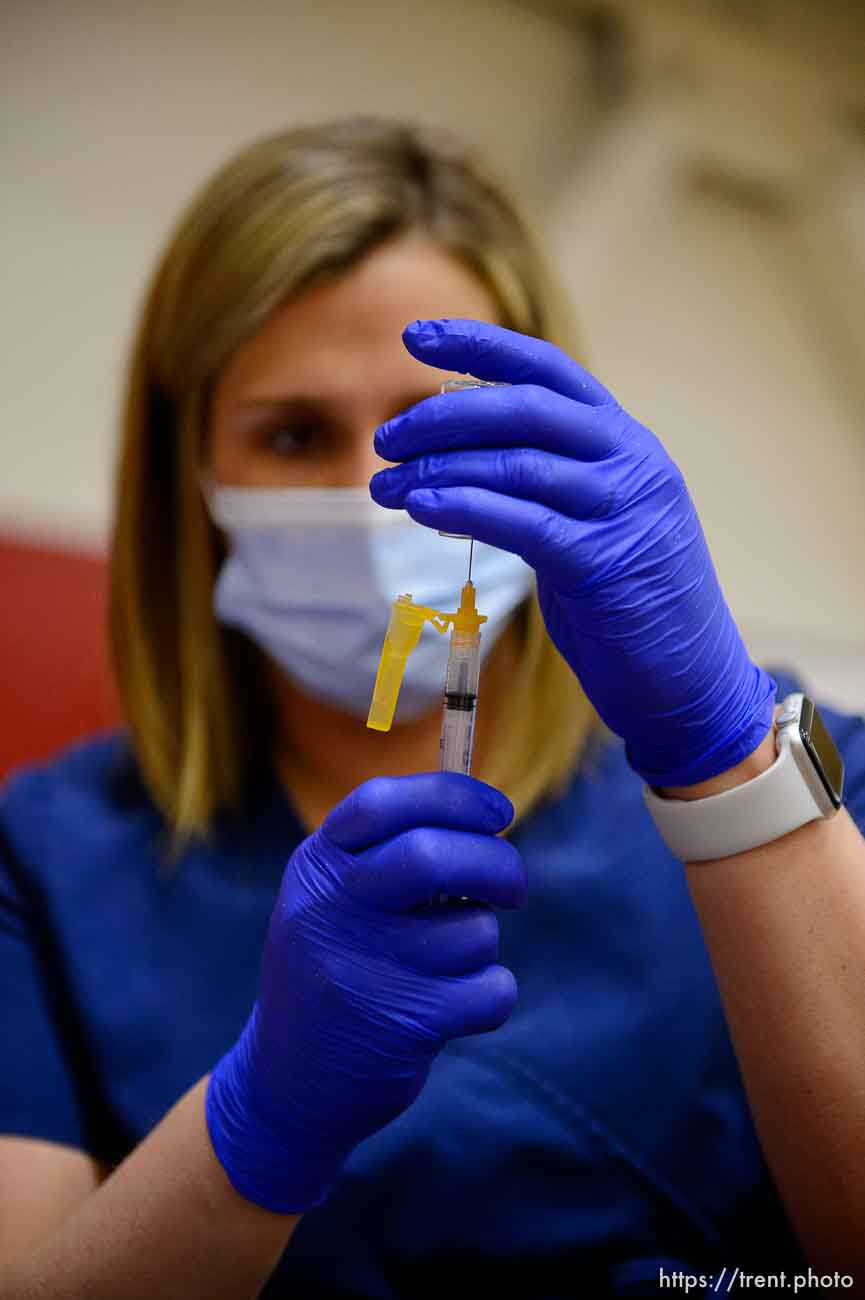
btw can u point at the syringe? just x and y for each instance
(463, 667)
(461, 690)
(461, 675)
(464, 659)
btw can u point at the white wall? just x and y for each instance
(714, 241)
(710, 229)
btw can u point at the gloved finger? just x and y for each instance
(544, 538)
(493, 352)
(416, 865)
(474, 1004)
(526, 415)
(451, 939)
(385, 805)
(572, 487)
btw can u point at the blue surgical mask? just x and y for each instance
(312, 573)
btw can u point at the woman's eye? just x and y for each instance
(284, 441)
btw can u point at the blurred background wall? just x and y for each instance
(697, 168)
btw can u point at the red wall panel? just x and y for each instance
(55, 683)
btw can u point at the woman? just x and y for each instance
(222, 1069)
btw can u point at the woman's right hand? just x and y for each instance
(361, 985)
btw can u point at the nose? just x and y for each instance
(360, 467)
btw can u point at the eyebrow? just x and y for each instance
(285, 399)
(315, 402)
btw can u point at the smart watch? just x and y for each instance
(805, 782)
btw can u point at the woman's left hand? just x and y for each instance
(555, 470)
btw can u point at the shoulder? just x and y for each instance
(88, 779)
(83, 804)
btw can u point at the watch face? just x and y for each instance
(822, 750)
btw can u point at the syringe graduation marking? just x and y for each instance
(458, 700)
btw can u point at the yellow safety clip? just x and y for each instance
(403, 633)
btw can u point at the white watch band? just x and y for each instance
(779, 800)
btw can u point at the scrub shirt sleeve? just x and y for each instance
(38, 1093)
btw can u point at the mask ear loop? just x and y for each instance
(208, 489)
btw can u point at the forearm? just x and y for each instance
(166, 1223)
(785, 928)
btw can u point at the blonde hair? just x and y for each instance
(288, 210)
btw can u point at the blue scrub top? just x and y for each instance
(602, 1133)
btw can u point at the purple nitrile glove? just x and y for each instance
(360, 985)
(555, 470)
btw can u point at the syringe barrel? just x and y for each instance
(464, 663)
(460, 701)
